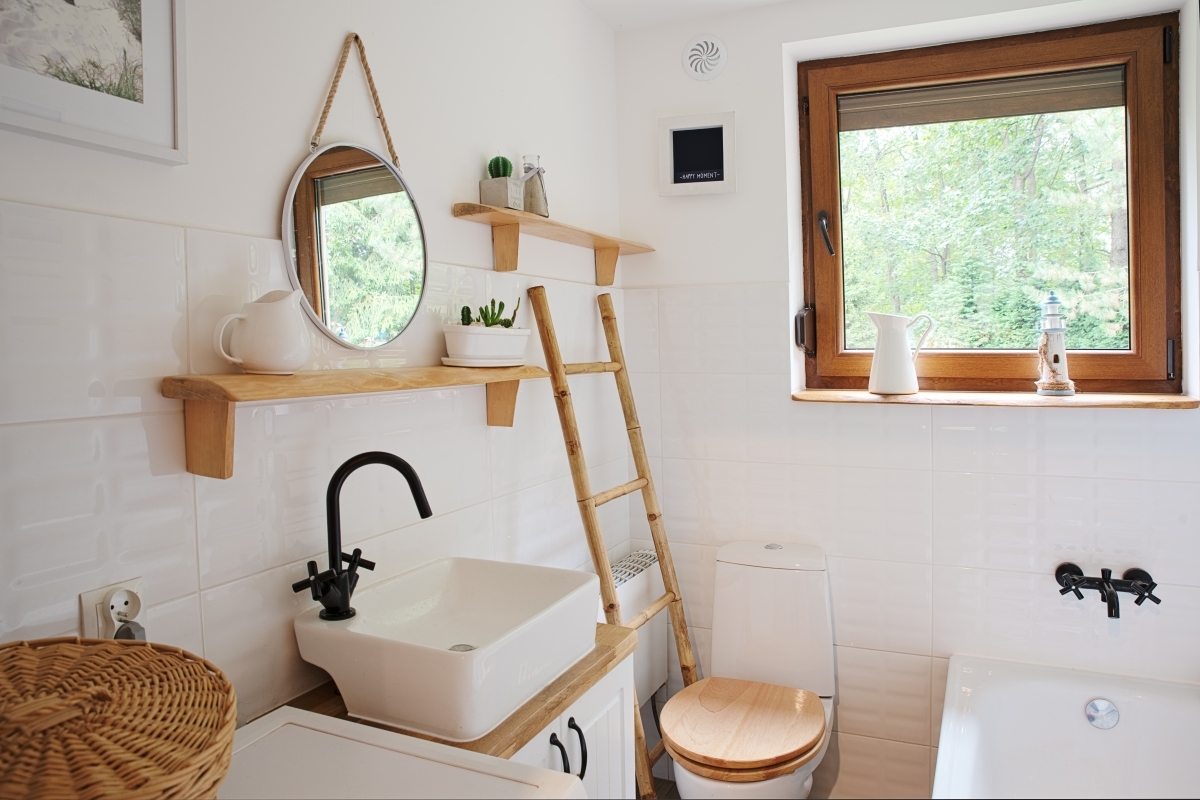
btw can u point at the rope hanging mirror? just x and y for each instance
(352, 232)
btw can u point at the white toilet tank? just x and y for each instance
(771, 616)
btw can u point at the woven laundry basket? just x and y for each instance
(98, 718)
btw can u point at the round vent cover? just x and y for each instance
(704, 58)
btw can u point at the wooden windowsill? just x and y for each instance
(1027, 400)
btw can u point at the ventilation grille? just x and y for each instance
(633, 565)
(704, 58)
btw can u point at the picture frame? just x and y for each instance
(152, 129)
(667, 129)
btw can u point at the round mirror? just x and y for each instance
(356, 244)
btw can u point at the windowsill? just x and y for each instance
(1029, 400)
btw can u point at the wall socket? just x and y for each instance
(98, 620)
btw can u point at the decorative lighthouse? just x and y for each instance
(1052, 351)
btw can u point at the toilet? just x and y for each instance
(760, 723)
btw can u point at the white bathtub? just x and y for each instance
(1019, 730)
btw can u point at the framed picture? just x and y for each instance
(103, 74)
(695, 155)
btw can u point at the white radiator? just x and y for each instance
(639, 583)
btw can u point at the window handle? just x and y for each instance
(823, 224)
(554, 740)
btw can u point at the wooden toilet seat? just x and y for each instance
(735, 730)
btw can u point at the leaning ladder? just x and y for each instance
(588, 502)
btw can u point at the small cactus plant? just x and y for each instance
(499, 167)
(490, 316)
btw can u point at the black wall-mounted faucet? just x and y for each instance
(334, 587)
(1134, 581)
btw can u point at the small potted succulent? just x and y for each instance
(487, 339)
(501, 189)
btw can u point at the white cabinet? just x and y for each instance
(603, 722)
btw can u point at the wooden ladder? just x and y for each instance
(588, 501)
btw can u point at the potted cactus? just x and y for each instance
(486, 339)
(501, 188)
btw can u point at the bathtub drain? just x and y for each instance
(1102, 713)
(466, 648)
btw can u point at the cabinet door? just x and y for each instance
(539, 752)
(604, 720)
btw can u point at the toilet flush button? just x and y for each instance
(1102, 714)
(773, 547)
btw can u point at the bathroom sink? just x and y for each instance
(452, 648)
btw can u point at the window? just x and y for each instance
(966, 181)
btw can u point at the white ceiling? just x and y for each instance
(622, 14)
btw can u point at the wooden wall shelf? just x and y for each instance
(209, 400)
(508, 225)
(1026, 400)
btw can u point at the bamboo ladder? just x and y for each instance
(588, 501)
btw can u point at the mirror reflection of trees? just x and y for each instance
(373, 260)
(974, 221)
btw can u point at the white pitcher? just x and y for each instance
(271, 337)
(894, 365)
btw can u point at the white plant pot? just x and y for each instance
(479, 346)
(502, 193)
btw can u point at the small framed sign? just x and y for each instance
(695, 154)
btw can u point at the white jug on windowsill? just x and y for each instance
(894, 365)
(271, 337)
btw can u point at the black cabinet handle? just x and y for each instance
(554, 740)
(823, 224)
(582, 747)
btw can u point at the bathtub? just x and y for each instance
(1020, 730)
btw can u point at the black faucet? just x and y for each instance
(333, 587)
(1134, 581)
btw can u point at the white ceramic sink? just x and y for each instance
(393, 661)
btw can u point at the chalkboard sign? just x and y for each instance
(698, 155)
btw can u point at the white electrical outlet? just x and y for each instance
(102, 611)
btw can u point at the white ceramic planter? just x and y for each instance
(502, 193)
(478, 346)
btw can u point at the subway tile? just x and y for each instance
(639, 524)
(861, 766)
(1148, 444)
(701, 651)
(87, 503)
(640, 334)
(885, 695)
(754, 418)
(853, 512)
(933, 753)
(1020, 616)
(177, 623)
(272, 511)
(248, 633)
(881, 605)
(466, 533)
(541, 525)
(93, 313)
(648, 398)
(724, 329)
(1033, 523)
(937, 694)
(696, 570)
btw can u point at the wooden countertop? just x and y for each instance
(613, 644)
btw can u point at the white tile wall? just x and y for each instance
(942, 526)
(93, 487)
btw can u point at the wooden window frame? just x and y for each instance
(334, 161)
(1152, 104)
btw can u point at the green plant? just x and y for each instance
(499, 167)
(492, 315)
(466, 315)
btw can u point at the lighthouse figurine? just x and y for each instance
(1052, 351)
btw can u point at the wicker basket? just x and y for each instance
(96, 718)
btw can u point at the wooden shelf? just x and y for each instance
(209, 400)
(508, 225)
(1027, 400)
(614, 644)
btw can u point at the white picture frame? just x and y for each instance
(153, 130)
(666, 126)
